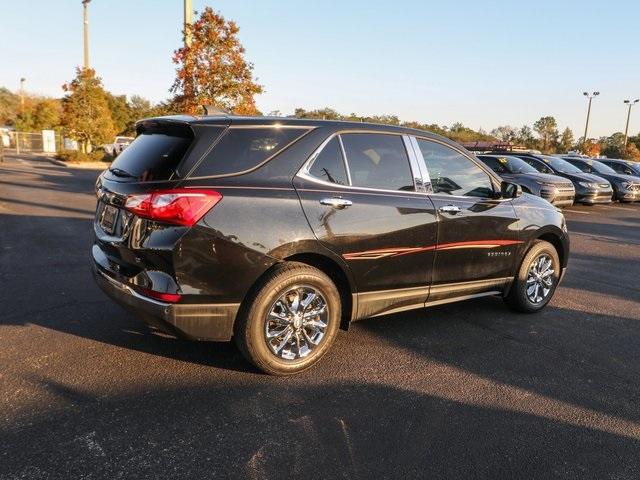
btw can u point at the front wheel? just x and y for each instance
(537, 279)
(291, 321)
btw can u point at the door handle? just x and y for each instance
(338, 203)
(453, 209)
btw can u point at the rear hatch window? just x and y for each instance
(153, 156)
(243, 149)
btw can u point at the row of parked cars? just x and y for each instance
(570, 178)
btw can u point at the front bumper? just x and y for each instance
(192, 321)
(591, 197)
(628, 195)
(558, 196)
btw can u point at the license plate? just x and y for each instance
(108, 219)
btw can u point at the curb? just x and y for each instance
(84, 166)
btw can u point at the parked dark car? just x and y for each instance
(277, 232)
(590, 189)
(556, 190)
(626, 188)
(626, 167)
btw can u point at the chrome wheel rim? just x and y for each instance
(296, 323)
(540, 278)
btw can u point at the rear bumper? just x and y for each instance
(192, 321)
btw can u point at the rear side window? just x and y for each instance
(452, 173)
(329, 164)
(150, 157)
(378, 161)
(242, 149)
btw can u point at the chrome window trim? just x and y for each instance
(493, 177)
(345, 162)
(273, 125)
(418, 183)
(426, 178)
(249, 170)
(304, 170)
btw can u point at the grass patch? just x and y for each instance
(75, 156)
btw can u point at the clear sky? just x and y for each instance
(483, 63)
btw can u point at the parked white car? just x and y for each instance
(119, 144)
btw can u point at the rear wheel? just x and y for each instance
(537, 279)
(291, 321)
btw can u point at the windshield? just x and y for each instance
(517, 165)
(600, 167)
(561, 165)
(634, 166)
(507, 164)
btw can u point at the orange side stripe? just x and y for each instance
(394, 252)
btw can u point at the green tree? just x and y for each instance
(632, 152)
(547, 130)
(505, 134)
(212, 70)
(613, 146)
(86, 116)
(525, 137)
(9, 104)
(566, 141)
(120, 112)
(39, 114)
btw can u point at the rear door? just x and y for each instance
(477, 233)
(363, 196)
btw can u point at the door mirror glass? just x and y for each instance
(510, 190)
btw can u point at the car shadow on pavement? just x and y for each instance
(299, 429)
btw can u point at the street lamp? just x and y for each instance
(22, 80)
(626, 129)
(188, 20)
(590, 96)
(85, 17)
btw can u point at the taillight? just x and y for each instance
(180, 206)
(165, 297)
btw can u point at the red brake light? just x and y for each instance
(165, 297)
(180, 206)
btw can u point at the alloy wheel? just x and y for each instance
(296, 322)
(540, 278)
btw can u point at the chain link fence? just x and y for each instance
(46, 141)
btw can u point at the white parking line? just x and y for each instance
(618, 207)
(576, 211)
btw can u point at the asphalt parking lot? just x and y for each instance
(468, 390)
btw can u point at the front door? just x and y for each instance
(360, 195)
(477, 233)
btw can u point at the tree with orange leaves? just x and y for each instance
(212, 69)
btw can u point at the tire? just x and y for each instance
(278, 290)
(518, 297)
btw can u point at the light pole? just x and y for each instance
(626, 129)
(85, 16)
(22, 80)
(586, 126)
(188, 19)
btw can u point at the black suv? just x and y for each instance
(277, 232)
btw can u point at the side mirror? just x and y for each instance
(510, 190)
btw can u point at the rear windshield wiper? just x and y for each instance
(120, 172)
